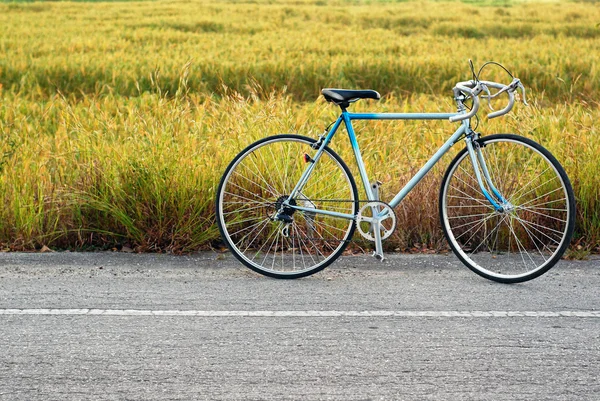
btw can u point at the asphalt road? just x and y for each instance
(114, 326)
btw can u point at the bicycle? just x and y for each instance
(287, 205)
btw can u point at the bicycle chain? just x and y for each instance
(337, 201)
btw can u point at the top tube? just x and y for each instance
(400, 116)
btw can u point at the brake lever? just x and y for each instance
(489, 95)
(520, 86)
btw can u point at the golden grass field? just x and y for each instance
(118, 118)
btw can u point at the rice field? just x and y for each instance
(118, 118)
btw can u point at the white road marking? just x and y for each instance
(300, 313)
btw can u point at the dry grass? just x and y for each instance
(118, 119)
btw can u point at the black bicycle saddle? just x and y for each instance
(345, 96)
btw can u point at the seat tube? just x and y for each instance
(366, 184)
(359, 161)
(476, 157)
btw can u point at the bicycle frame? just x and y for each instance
(346, 117)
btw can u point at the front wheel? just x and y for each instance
(274, 239)
(530, 231)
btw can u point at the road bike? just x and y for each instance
(287, 205)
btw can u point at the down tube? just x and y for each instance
(425, 169)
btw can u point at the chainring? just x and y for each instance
(364, 219)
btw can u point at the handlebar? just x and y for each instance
(471, 88)
(474, 88)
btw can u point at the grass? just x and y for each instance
(118, 119)
(398, 48)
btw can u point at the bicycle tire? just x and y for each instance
(529, 237)
(262, 175)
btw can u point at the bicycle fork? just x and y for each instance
(499, 203)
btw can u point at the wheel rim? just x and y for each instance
(251, 196)
(525, 238)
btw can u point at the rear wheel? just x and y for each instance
(533, 229)
(277, 240)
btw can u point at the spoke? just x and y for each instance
(473, 222)
(312, 183)
(257, 184)
(533, 239)
(245, 202)
(293, 249)
(473, 178)
(289, 246)
(539, 186)
(275, 243)
(541, 214)
(251, 157)
(244, 189)
(519, 244)
(262, 246)
(315, 247)
(299, 234)
(341, 194)
(539, 197)
(248, 227)
(465, 197)
(282, 251)
(525, 222)
(529, 183)
(539, 225)
(481, 224)
(240, 211)
(550, 209)
(489, 235)
(292, 237)
(257, 236)
(325, 242)
(481, 202)
(238, 222)
(506, 173)
(469, 206)
(546, 203)
(469, 215)
(273, 157)
(275, 235)
(322, 223)
(267, 202)
(497, 238)
(287, 168)
(324, 226)
(306, 241)
(478, 191)
(268, 167)
(299, 247)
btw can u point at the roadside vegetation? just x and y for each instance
(118, 118)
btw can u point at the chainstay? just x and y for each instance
(336, 201)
